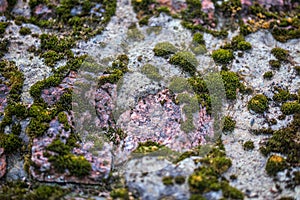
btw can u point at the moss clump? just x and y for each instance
(151, 72)
(52, 42)
(164, 49)
(229, 124)
(231, 83)
(148, 147)
(4, 43)
(142, 5)
(222, 56)
(3, 26)
(51, 57)
(282, 95)
(249, 145)
(258, 103)
(243, 46)
(21, 190)
(289, 108)
(198, 38)
(275, 164)
(285, 141)
(77, 165)
(120, 193)
(167, 180)
(186, 61)
(268, 75)
(25, 31)
(275, 64)
(280, 54)
(11, 143)
(179, 180)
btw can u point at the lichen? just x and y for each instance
(151, 72)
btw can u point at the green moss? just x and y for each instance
(231, 83)
(144, 21)
(142, 6)
(147, 147)
(222, 56)
(120, 193)
(289, 108)
(62, 118)
(164, 49)
(230, 192)
(268, 75)
(51, 57)
(186, 61)
(77, 165)
(167, 180)
(280, 54)
(52, 42)
(4, 43)
(179, 180)
(249, 145)
(229, 124)
(204, 180)
(243, 46)
(258, 103)
(16, 129)
(121, 63)
(37, 128)
(198, 38)
(20, 190)
(151, 72)
(275, 164)
(282, 95)
(275, 64)
(3, 26)
(116, 135)
(197, 197)
(11, 143)
(25, 31)
(284, 141)
(47, 192)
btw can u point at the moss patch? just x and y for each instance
(186, 61)
(275, 164)
(258, 103)
(248, 145)
(164, 49)
(280, 54)
(222, 56)
(229, 124)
